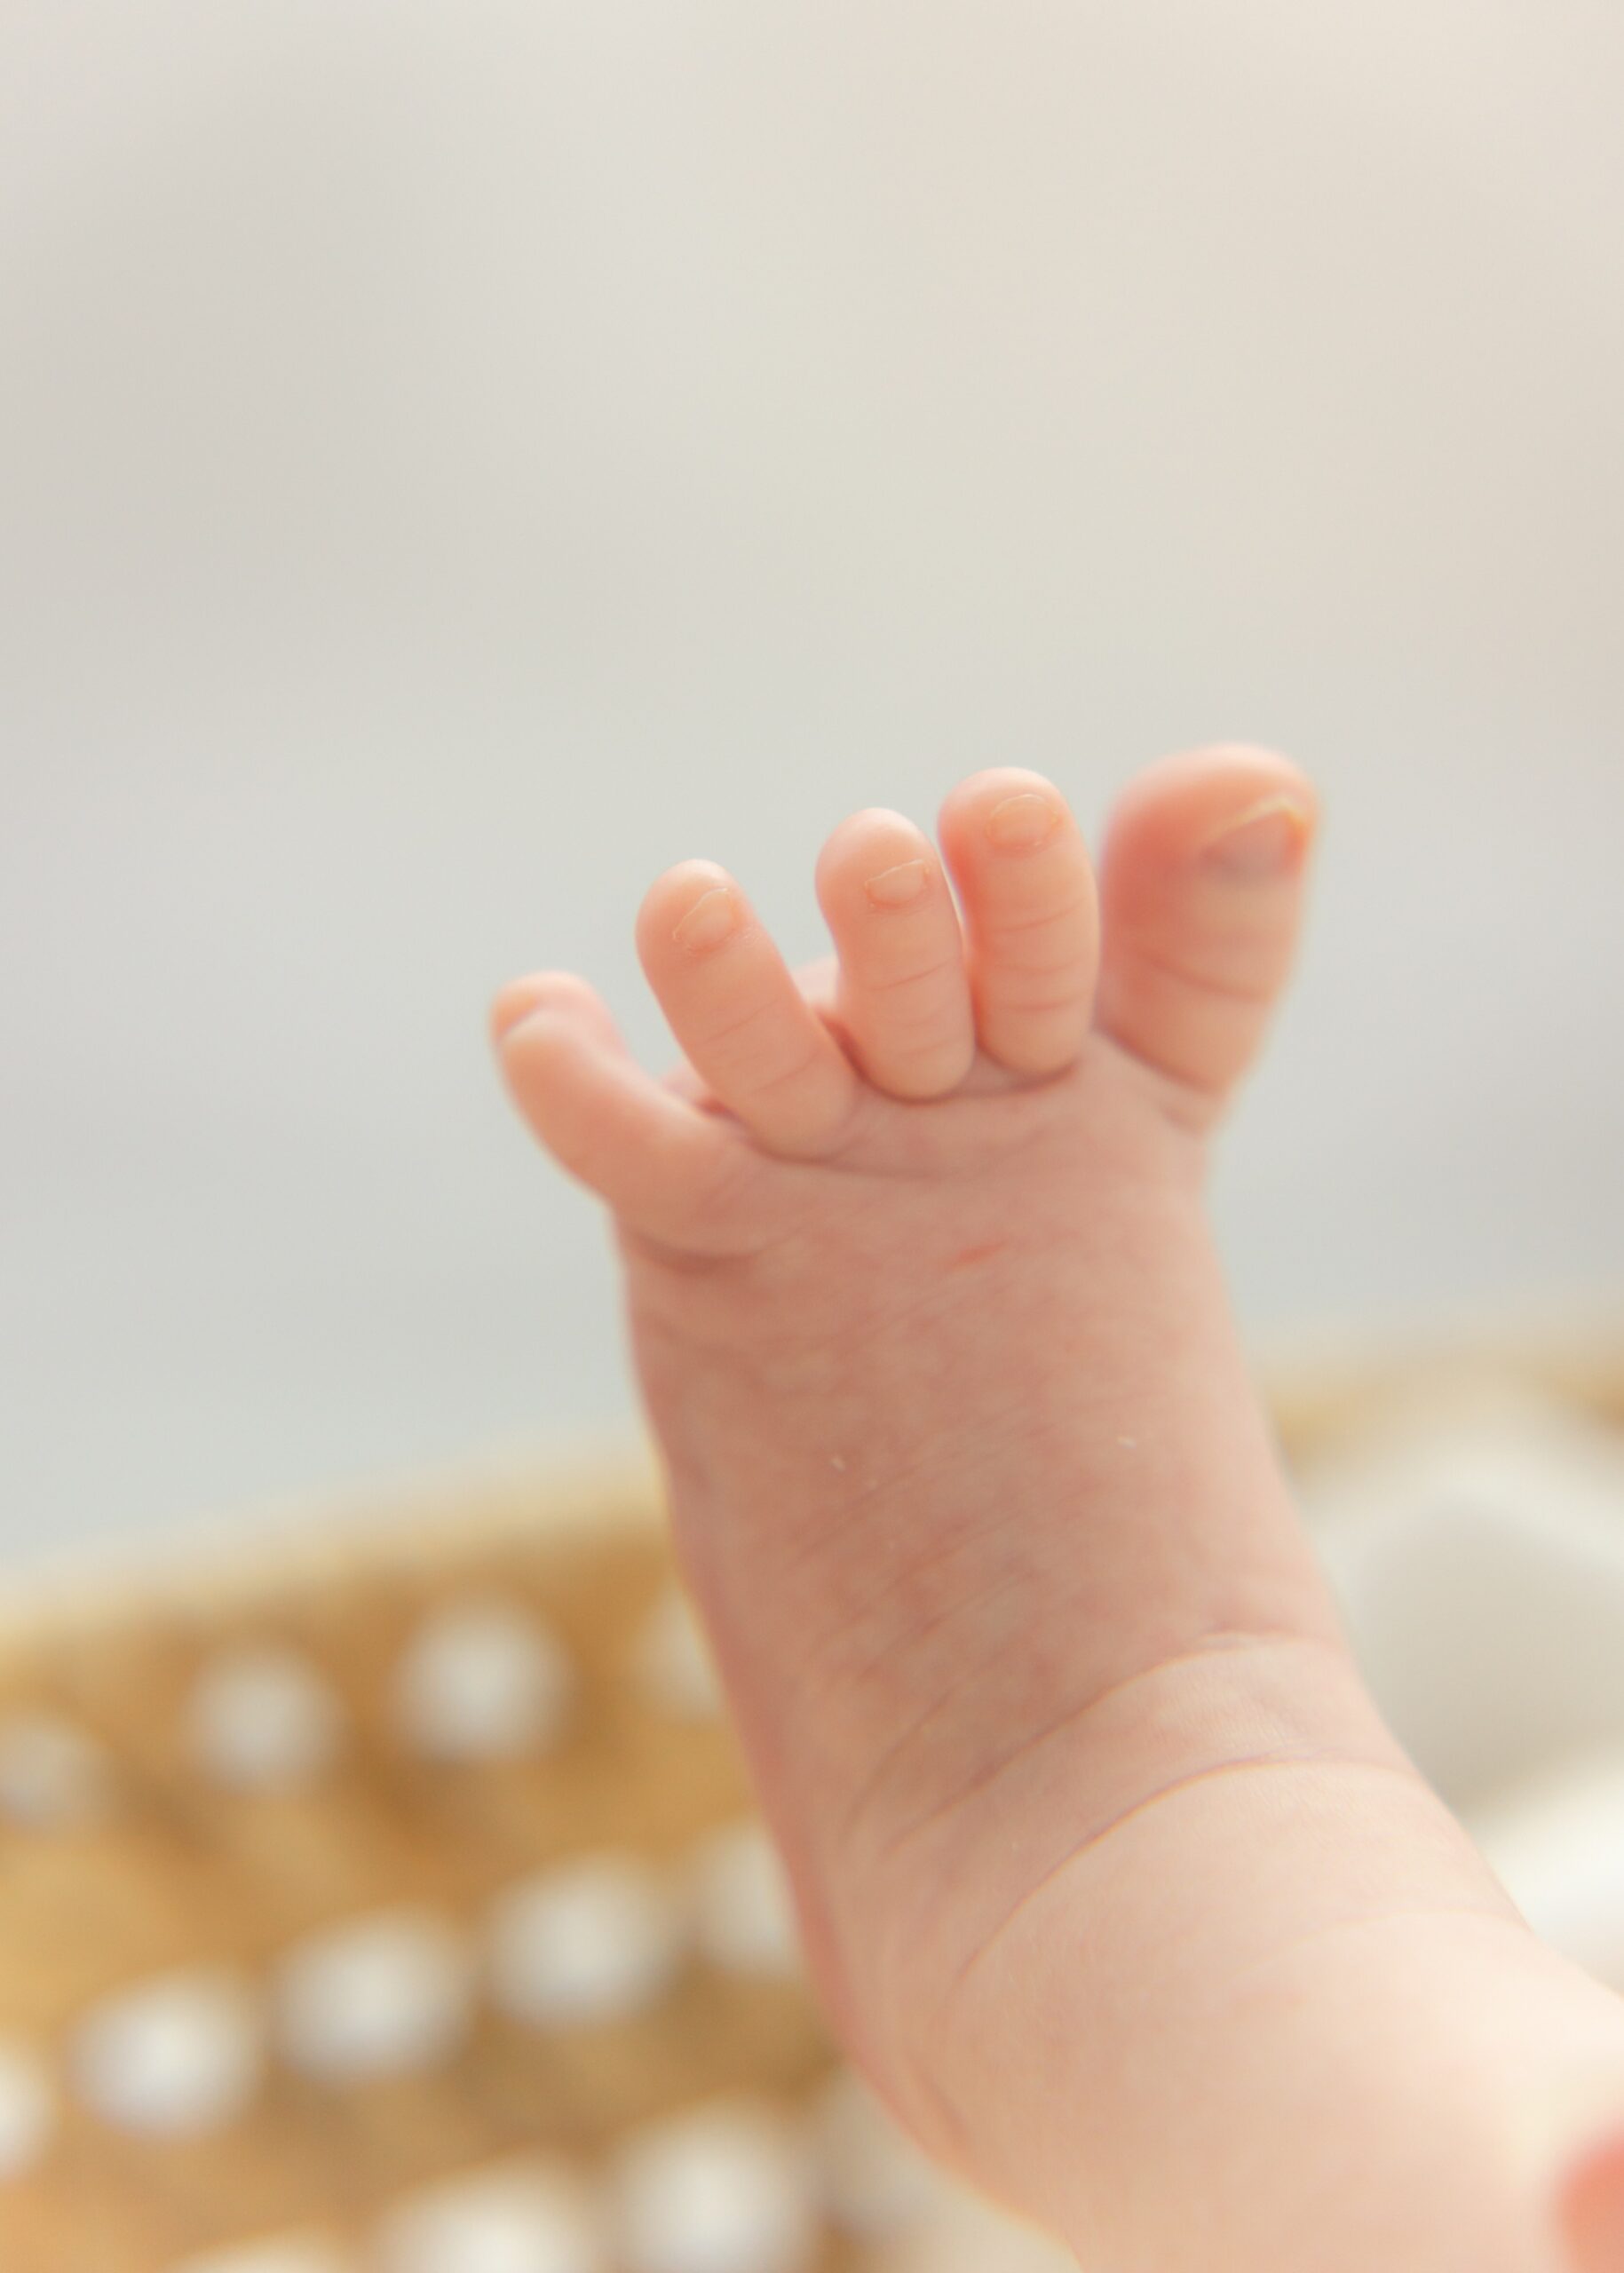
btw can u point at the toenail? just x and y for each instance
(513, 1006)
(896, 887)
(1262, 840)
(1021, 822)
(708, 922)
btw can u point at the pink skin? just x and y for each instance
(1114, 1879)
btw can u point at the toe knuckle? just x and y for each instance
(768, 1079)
(895, 986)
(1039, 1002)
(1070, 909)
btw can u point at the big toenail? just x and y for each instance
(708, 922)
(1022, 821)
(895, 887)
(1265, 840)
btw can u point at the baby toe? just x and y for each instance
(738, 1014)
(1024, 874)
(1203, 890)
(901, 994)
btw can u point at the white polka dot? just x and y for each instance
(877, 2183)
(52, 1775)
(724, 2189)
(179, 2054)
(262, 1719)
(28, 2108)
(672, 1664)
(589, 1940)
(288, 2253)
(744, 1916)
(529, 2217)
(379, 1995)
(483, 1681)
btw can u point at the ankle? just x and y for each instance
(973, 1933)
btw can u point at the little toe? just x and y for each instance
(902, 994)
(1202, 892)
(738, 1015)
(667, 1171)
(1030, 906)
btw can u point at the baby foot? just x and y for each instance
(1113, 1877)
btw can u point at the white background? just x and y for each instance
(456, 459)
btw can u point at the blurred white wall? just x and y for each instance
(456, 458)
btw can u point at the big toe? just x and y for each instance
(1201, 893)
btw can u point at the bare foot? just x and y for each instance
(1114, 1880)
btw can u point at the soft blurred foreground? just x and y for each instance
(387, 1897)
